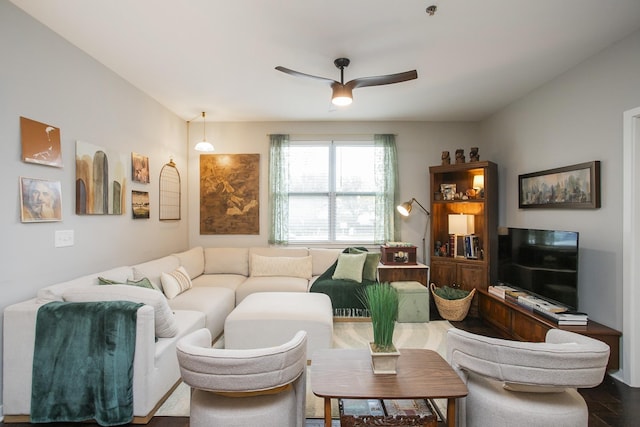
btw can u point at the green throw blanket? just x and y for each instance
(83, 362)
(344, 294)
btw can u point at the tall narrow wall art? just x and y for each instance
(229, 193)
(100, 180)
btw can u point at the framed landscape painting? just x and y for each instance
(569, 187)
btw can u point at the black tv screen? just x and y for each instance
(542, 262)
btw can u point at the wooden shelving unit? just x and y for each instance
(518, 323)
(463, 272)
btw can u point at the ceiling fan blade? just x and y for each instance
(309, 76)
(382, 80)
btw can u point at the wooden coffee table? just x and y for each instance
(347, 374)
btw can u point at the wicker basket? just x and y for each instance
(453, 309)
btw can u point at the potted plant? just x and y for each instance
(381, 299)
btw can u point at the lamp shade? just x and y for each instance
(342, 95)
(478, 182)
(204, 145)
(461, 224)
(404, 208)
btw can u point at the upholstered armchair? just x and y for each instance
(265, 387)
(523, 383)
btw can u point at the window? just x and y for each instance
(332, 191)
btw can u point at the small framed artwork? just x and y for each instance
(569, 187)
(448, 191)
(139, 168)
(140, 204)
(40, 143)
(40, 200)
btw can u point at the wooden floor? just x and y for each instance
(612, 403)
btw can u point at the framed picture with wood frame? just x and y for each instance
(569, 187)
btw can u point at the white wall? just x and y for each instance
(575, 118)
(44, 78)
(419, 146)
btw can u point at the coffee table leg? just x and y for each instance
(451, 412)
(327, 412)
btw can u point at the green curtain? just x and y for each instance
(279, 189)
(386, 174)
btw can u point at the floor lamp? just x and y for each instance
(405, 210)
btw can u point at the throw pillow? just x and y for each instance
(176, 282)
(165, 323)
(370, 270)
(143, 283)
(281, 266)
(350, 267)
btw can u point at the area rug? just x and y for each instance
(429, 335)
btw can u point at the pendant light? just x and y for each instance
(204, 145)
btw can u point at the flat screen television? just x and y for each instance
(542, 262)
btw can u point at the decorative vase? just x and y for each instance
(384, 362)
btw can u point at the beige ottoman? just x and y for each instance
(266, 319)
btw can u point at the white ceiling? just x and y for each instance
(473, 57)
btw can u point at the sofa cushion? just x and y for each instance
(323, 259)
(370, 269)
(226, 261)
(165, 325)
(154, 269)
(192, 261)
(143, 283)
(215, 303)
(281, 266)
(350, 267)
(175, 282)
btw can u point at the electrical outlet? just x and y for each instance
(64, 238)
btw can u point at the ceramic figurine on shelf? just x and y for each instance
(446, 159)
(459, 156)
(473, 155)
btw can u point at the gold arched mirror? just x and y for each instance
(169, 192)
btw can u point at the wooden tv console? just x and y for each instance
(518, 323)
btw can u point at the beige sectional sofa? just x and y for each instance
(219, 279)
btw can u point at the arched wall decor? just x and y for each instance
(169, 192)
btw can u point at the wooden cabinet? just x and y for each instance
(449, 267)
(516, 322)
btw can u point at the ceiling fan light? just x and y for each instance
(342, 96)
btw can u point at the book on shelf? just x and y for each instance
(407, 407)
(572, 322)
(533, 302)
(501, 290)
(566, 318)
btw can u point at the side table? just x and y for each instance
(404, 273)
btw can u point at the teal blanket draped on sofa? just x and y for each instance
(83, 362)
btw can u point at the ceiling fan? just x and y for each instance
(342, 92)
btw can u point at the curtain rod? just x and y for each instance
(330, 135)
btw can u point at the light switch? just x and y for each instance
(64, 238)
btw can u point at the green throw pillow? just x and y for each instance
(103, 281)
(370, 270)
(350, 267)
(143, 283)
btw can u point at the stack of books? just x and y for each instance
(507, 293)
(567, 318)
(535, 303)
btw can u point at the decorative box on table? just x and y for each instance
(399, 413)
(398, 253)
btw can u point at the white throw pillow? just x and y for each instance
(165, 323)
(176, 282)
(281, 266)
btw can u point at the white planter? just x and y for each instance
(384, 363)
